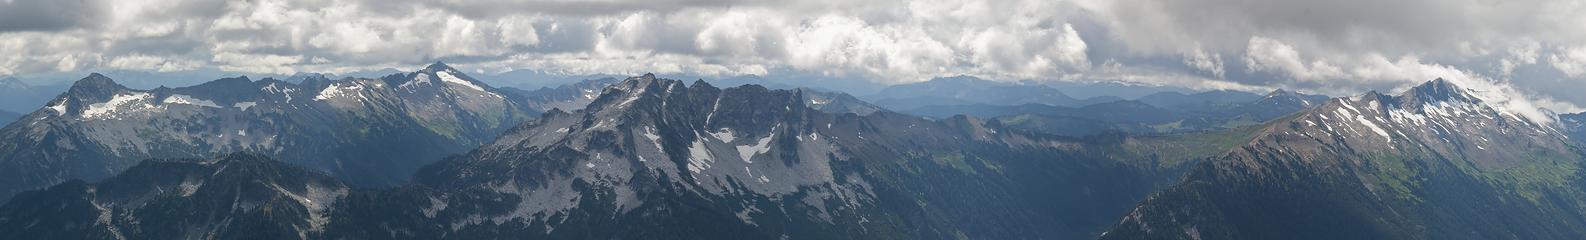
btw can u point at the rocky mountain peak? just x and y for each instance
(305, 76)
(12, 83)
(632, 89)
(1293, 97)
(94, 88)
(1439, 90)
(641, 82)
(1283, 93)
(1279, 92)
(438, 78)
(700, 83)
(241, 83)
(96, 81)
(438, 66)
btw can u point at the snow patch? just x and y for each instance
(448, 78)
(814, 102)
(245, 105)
(649, 132)
(417, 80)
(285, 92)
(189, 187)
(436, 205)
(1344, 113)
(746, 152)
(1374, 128)
(1400, 115)
(1351, 107)
(338, 90)
(698, 157)
(189, 100)
(603, 124)
(60, 108)
(724, 134)
(117, 101)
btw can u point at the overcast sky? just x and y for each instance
(1531, 49)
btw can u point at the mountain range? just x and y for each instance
(1124, 90)
(967, 90)
(656, 158)
(436, 154)
(1166, 112)
(565, 97)
(1438, 161)
(368, 132)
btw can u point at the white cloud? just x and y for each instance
(1523, 54)
(841, 44)
(258, 63)
(153, 63)
(518, 31)
(1207, 62)
(1571, 61)
(1319, 46)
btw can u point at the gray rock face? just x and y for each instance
(368, 132)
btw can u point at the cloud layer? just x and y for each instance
(1535, 48)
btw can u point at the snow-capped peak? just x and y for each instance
(1502, 98)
